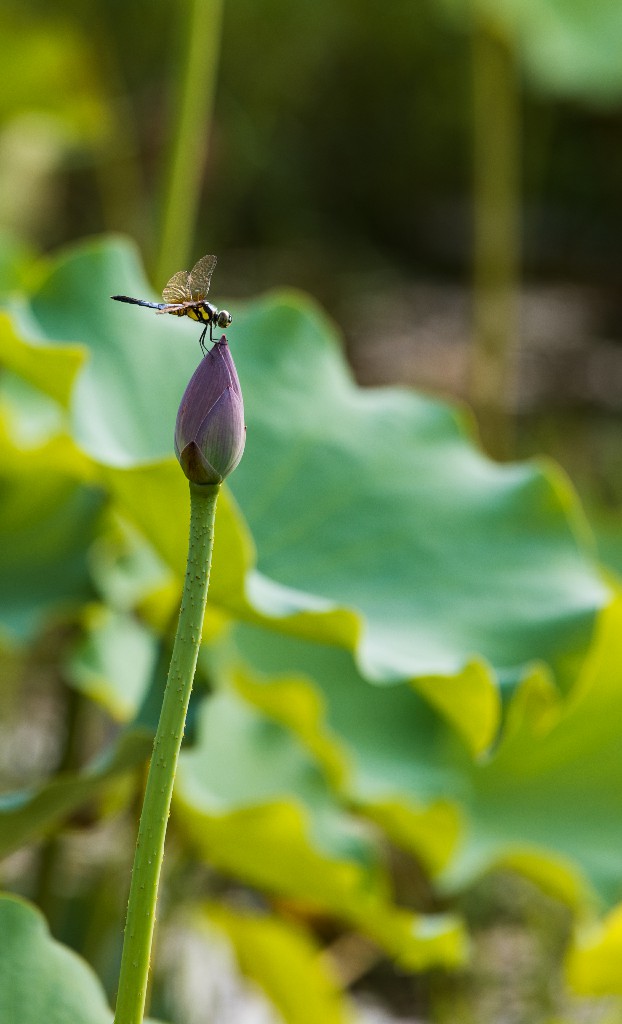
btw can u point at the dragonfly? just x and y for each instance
(186, 295)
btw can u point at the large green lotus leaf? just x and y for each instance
(254, 804)
(285, 962)
(555, 782)
(41, 980)
(566, 47)
(385, 750)
(548, 802)
(48, 518)
(470, 699)
(31, 813)
(379, 501)
(370, 501)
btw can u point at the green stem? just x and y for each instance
(141, 911)
(192, 129)
(496, 256)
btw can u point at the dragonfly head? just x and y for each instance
(224, 318)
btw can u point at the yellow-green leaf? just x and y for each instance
(285, 962)
(594, 959)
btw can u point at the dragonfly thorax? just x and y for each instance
(204, 312)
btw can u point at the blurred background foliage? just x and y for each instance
(336, 128)
(445, 178)
(381, 159)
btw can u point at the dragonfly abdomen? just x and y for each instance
(139, 302)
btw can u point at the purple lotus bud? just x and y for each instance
(210, 432)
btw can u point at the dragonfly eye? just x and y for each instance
(224, 318)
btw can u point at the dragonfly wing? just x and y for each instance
(178, 288)
(200, 277)
(172, 307)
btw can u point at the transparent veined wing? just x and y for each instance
(200, 277)
(178, 288)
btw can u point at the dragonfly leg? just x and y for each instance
(202, 340)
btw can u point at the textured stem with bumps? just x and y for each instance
(141, 911)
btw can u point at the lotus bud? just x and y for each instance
(210, 432)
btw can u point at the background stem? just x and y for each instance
(496, 254)
(192, 117)
(141, 909)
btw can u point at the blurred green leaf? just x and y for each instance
(15, 260)
(566, 47)
(41, 980)
(283, 960)
(48, 518)
(114, 661)
(125, 567)
(372, 507)
(31, 418)
(31, 813)
(52, 370)
(255, 805)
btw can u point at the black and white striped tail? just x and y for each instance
(139, 302)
